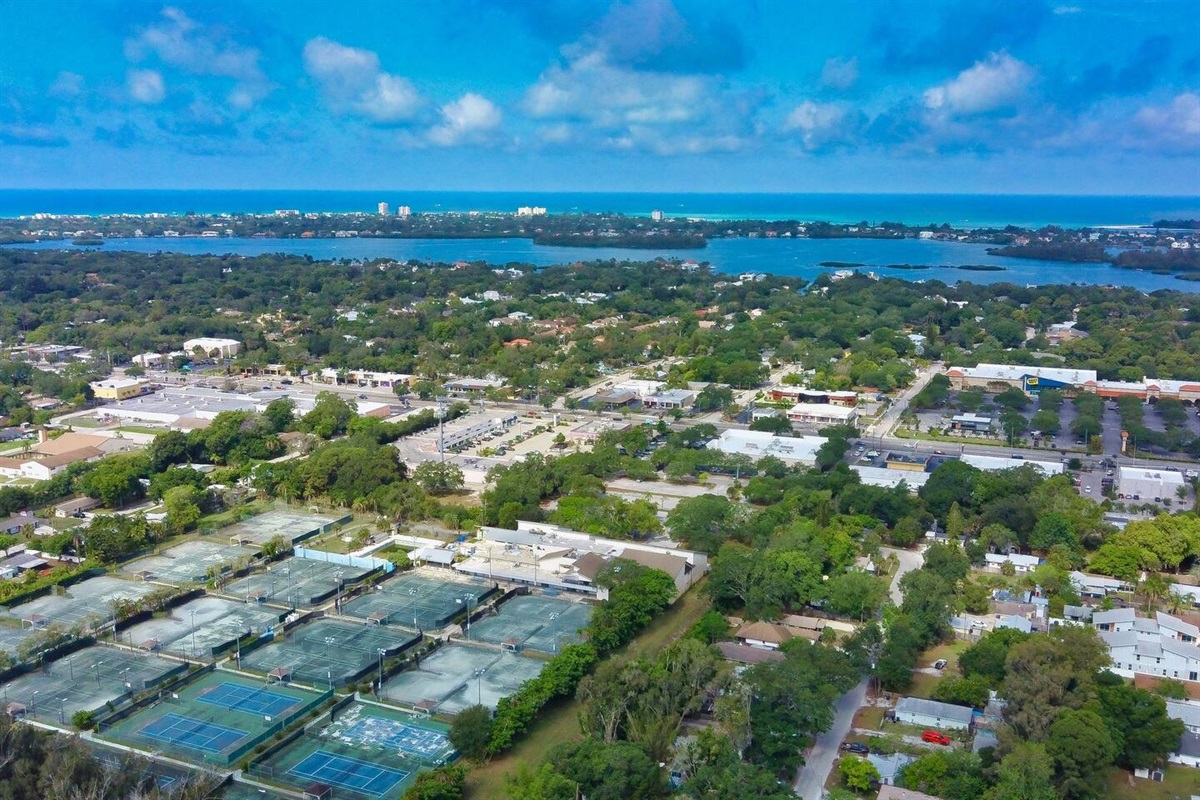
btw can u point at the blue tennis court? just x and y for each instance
(397, 736)
(193, 734)
(349, 773)
(248, 698)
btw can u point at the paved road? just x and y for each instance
(887, 421)
(909, 560)
(810, 780)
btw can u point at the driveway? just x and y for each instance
(810, 781)
(909, 560)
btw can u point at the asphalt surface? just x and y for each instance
(810, 781)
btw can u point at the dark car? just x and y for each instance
(855, 747)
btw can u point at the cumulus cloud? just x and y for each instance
(471, 118)
(146, 86)
(183, 43)
(821, 124)
(31, 135)
(352, 82)
(654, 35)
(999, 81)
(1173, 126)
(839, 73)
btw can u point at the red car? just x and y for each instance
(935, 737)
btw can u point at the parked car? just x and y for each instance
(855, 747)
(935, 737)
(939, 664)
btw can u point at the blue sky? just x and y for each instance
(1067, 97)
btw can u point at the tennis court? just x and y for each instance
(292, 524)
(201, 628)
(217, 717)
(349, 773)
(193, 734)
(190, 562)
(375, 726)
(295, 582)
(87, 601)
(329, 653)
(249, 699)
(418, 601)
(545, 624)
(87, 680)
(457, 676)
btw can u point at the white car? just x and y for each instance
(1087, 489)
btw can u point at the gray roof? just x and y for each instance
(505, 536)
(934, 708)
(1116, 615)
(1077, 612)
(1188, 712)
(1015, 622)
(889, 766)
(1189, 744)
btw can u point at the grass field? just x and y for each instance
(949, 651)
(560, 723)
(141, 429)
(923, 685)
(1178, 782)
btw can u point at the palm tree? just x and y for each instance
(1155, 587)
(1177, 602)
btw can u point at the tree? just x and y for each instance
(444, 783)
(116, 480)
(776, 425)
(855, 594)
(972, 691)
(329, 417)
(1024, 774)
(279, 415)
(858, 773)
(438, 478)
(609, 770)
(542, 783)
(183, 507)
(1053, 529)
(987, 658)
(471, 730)
(948, 774)
(275, 547)
(1082, 749)
(704, 523)
(1048, 674)
(1139, 723)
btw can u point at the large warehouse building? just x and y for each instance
(1148, 484)
(1032, 380)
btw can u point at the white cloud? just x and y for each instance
(145, 86)
(840, 73)
(590, 88)
(1061, 10)
(819, 124)
(1174, 125)
(470, 118)
(66, 84)
(999, 81)
(182, 42)
(352, 82)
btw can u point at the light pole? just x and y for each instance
(479, 686)
(62, 713)
(337, 578)
(193, 633)
(33, 703)
(96, 667)
(329, 661)
(71, 666)
(125, 678)
(380, 692)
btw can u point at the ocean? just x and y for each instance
(800, 257)
(959, 210)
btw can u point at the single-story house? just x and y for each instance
(745, 654)
(764, 635)
(899, 793)
(1021, 563)
(1013, 621)
(79, 505)
(933, 714)
(890, 766)
(13, 525)
(1097, 586)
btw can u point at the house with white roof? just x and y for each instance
(1139, 645)
(933, 714)
(1021, 563)
(1097, 586)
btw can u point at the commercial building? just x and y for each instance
(364, 377)
(189, 407)
(471, 428)
(1145, 484)
(756, 444)
(150, 360)
(933, 714)
(801, 394)
(890, 478)
(820, 414)
(468, 386)
(1031, 380)
(670, 399)
(971, 422)
(997, 463)
(556, 558)
(908, 462)
(213, 348)
(591, 430)
(119, 388)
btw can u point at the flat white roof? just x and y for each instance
(119, 383)
(887, 478)
(1009, 372)
(823, 410)
(996, 463)
(1163, 476)
(757, 444)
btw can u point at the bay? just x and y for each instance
(798, 257)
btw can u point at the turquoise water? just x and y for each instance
(913, 209)
(800, 257)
